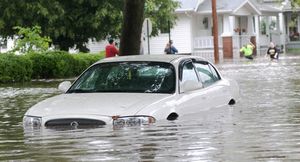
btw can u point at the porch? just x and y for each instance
(204, 46)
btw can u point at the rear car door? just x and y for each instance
(217, 90)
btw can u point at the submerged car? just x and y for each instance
(135, 90)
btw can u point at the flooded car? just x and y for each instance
(135, 90)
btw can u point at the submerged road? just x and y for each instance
(263, 126)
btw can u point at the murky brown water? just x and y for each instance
(263, 126)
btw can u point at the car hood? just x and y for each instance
(104, 104)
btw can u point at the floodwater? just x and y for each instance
(263, 126)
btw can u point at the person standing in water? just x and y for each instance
(247, 50)
(272, 51)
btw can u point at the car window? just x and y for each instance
(214, 72)
(140, 77)
(206, 75)
(188, 72)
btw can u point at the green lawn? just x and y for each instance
(293, 50)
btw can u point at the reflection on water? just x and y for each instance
(263, 126)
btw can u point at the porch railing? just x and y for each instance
(206, 42)
(203, 46)
(208, 54)
(275, 37)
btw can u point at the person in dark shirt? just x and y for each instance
(111, 50)
(170, 49)
(272, 51)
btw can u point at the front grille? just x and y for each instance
(75, 122)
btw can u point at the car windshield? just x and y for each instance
(136, 77)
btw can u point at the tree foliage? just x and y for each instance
(72, 23)
(295, 3)
(161, 13)
(30, 39)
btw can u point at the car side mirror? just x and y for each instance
(64, 86)
(190, 85)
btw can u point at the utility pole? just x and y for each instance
(215, 30)
(169, 28)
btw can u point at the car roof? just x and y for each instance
(154, 58)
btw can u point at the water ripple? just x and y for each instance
(263, 126)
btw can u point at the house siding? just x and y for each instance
(9, 45)
(96, 47)
(181, 35)
(244, 11)
(198, 26)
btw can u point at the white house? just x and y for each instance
(239, 21)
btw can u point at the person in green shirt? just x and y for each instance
(247, 50)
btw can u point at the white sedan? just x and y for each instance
(135, 90)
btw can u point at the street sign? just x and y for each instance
(147, 26)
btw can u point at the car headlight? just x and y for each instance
(132, 120)
(32, 121)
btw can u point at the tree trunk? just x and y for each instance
(132, 27)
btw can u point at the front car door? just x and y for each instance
(192, 101)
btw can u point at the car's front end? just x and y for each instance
(82, 121)
(94, 110)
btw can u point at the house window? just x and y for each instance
(273, 23)
(293, 28)
(254, 24)
(263, 25)
(205, 22)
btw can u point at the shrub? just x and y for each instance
(59, 64)
(53, 64)
(84, 60)
(42, 65)
(63, 64)
(15, 68)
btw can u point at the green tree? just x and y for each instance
(72, 23)
(30, 39)
(295, 3)
(161, 13)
